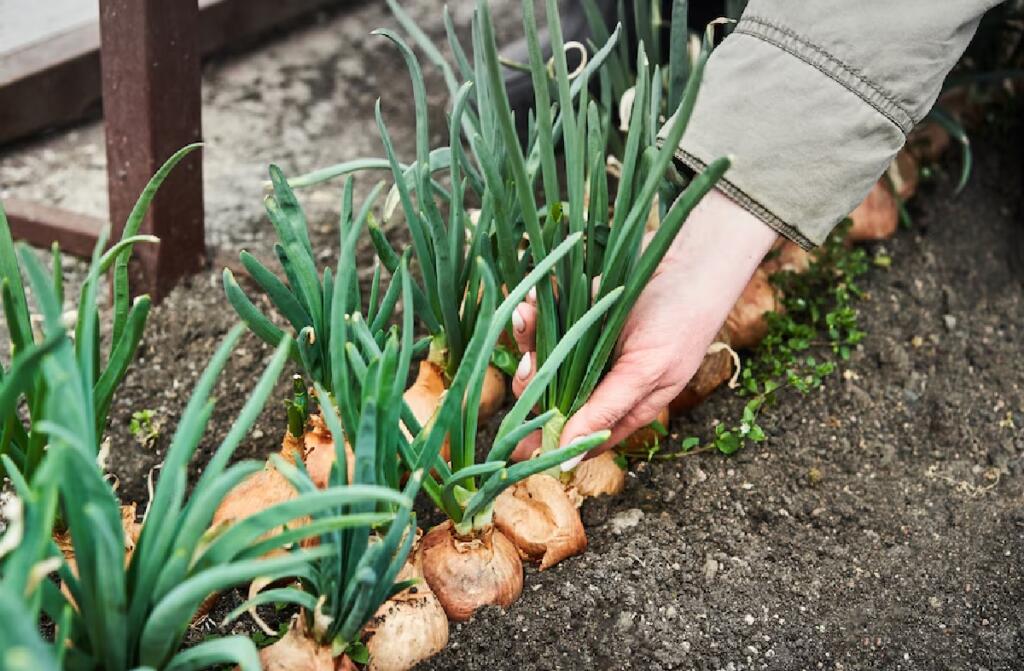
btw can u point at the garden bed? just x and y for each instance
(879, 526)
(880, 523)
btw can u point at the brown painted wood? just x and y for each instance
(151, 82)
(151, 107)
(42, 225)
(56, 81)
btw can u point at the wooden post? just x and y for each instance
(149, 59)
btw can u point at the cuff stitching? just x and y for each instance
(749, 204)
(830, 66)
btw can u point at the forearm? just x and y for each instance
(813, 99)
(713, 257)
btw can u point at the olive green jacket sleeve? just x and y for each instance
(813, 98)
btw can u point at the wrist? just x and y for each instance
(717, 250)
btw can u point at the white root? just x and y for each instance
(715, 348)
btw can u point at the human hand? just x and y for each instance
(669, 328)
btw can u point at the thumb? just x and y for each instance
(614, 398)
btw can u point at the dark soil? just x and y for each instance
(879, 527)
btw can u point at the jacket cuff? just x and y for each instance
(810, 136)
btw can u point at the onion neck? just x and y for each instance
(438, 352)
(550, 436)
(480, 522)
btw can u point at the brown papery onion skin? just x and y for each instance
(318, 453)
(599, 476)
(424, 397)
(746, 325)
(268, 487)
(297, 651)
(907, 174)
(469, 573)
(492, 395)
(646, 436)
(928, 141)
(714, 370)
(408, 628)
(132, 530)
(787, 256)
(877, 217)
(540, 519)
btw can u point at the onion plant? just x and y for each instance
(22, 442)
(357, 359)
(614, 258)
(23, 570)
(335, 325)
(138, 616)
(341, 590)
(466, 561)
(445, 245)
(649, 23)
(304, 298)
(24, 562)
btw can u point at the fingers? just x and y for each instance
(524, 326)
(524, 373)
(526, 447)
(615, 399)
(524, 329)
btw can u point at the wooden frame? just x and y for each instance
(148, 73)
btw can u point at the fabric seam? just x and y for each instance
(747, 203)
(832, 67)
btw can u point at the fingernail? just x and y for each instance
(518, 323)
(523, 371)
(532, 295)
(572, 463)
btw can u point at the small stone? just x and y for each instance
(710, 569)
(627, 519)
(625, 621)
(749, 619)
(950, 322)
(894, 355)
(935, 602)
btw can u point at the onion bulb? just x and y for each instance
(928, 141)
(542, 522)
(904, 173)
(788, 257)
(746, 325)
(715, 369)
(427, 391)
(318, 453)
(646, 437)
(408, 628)
(424, 397)
(297, 651)
(877, 216)
(468, 573)
(131, 528)
(268, 487)
(492, 395)
(599, 476)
